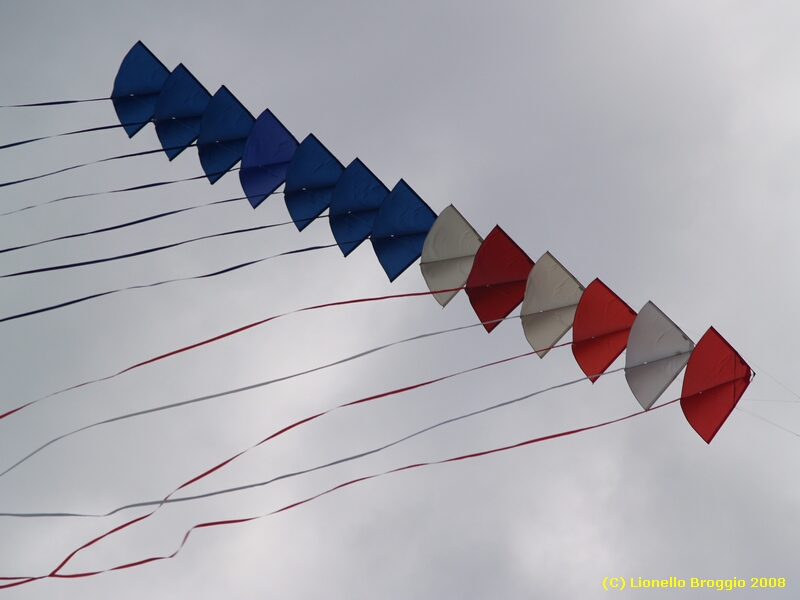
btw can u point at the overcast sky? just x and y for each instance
(653, 145)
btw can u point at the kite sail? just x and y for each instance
(448, 254)
(551, 299)
(179, 111)
(657, 352)
(716, 378)
(496, 283)
(311, 177)
(267, 154)
(601, 328)
(355, 201)
(222, 138)
(137, 87)
(400, 228)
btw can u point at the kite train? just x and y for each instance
(495, 273)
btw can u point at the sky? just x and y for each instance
(651, 145)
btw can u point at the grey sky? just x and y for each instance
(653, 145)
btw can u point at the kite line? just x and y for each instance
(55, 573)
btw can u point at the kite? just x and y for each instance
(716, 378)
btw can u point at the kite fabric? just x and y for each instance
(600, 330)
(137, 87)
(224, 128)
(400, 228)
(657, 352)
(355, 201)
(311, 177)
(716, 378)
(448, 254)
(496, 283)
(551, 298)
(266, 158)
(179, 111)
